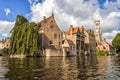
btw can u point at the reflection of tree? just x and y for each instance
(24, 69)
(87, 66)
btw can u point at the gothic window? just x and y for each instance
(97, 24)
(55, 35)
(71, 47)
(51, 26)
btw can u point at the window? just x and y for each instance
(50, 42)
(51, 26)
(71, 47)
(59, 36)
(55, 35)
(51, 21)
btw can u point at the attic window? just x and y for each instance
(51, 21)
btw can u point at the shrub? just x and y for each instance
(101, 53)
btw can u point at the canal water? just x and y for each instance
(60, 68)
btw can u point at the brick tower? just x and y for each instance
(97, 31)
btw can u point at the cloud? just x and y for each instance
(110, 35)
(7, 11)
(79, 13)
(5, 28)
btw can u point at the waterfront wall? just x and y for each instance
(53, 52)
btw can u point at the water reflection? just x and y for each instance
(61, 68)
(3, 68)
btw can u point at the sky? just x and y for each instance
(66, 12)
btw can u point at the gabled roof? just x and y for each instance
(70, 42)
(67, 33)
(45, 20)
(107, 43)
(74, 30)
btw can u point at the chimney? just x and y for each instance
(71, 26)
(44, 18)
(70, 29)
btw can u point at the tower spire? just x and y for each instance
(52, 12)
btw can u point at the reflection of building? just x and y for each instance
(50, 34)
(90, 43)
(105, 46)
(76, 34)
(97, 31)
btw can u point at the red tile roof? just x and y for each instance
(74, 30)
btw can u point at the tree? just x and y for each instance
(24, 38)
(116, 42)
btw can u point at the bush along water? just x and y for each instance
(101, 53)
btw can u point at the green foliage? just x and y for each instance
(24, 38)
(101, 53)
(4, 51)
(116, 42)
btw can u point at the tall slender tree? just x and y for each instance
(116, 42)
(24, 38)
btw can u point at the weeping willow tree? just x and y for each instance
(25, 38)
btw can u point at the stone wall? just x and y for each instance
(53, 52)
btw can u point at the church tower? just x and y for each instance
(97, 31)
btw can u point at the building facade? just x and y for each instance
(105, 46)
(76, 35)
(68, 47)
(1, 44)
(50, 34)
(6, 43)
(90, 42)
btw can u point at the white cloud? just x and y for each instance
(110, 35)
(7, 11)
(5, 28)
(78, 13)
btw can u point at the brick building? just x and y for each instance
(50, 34)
